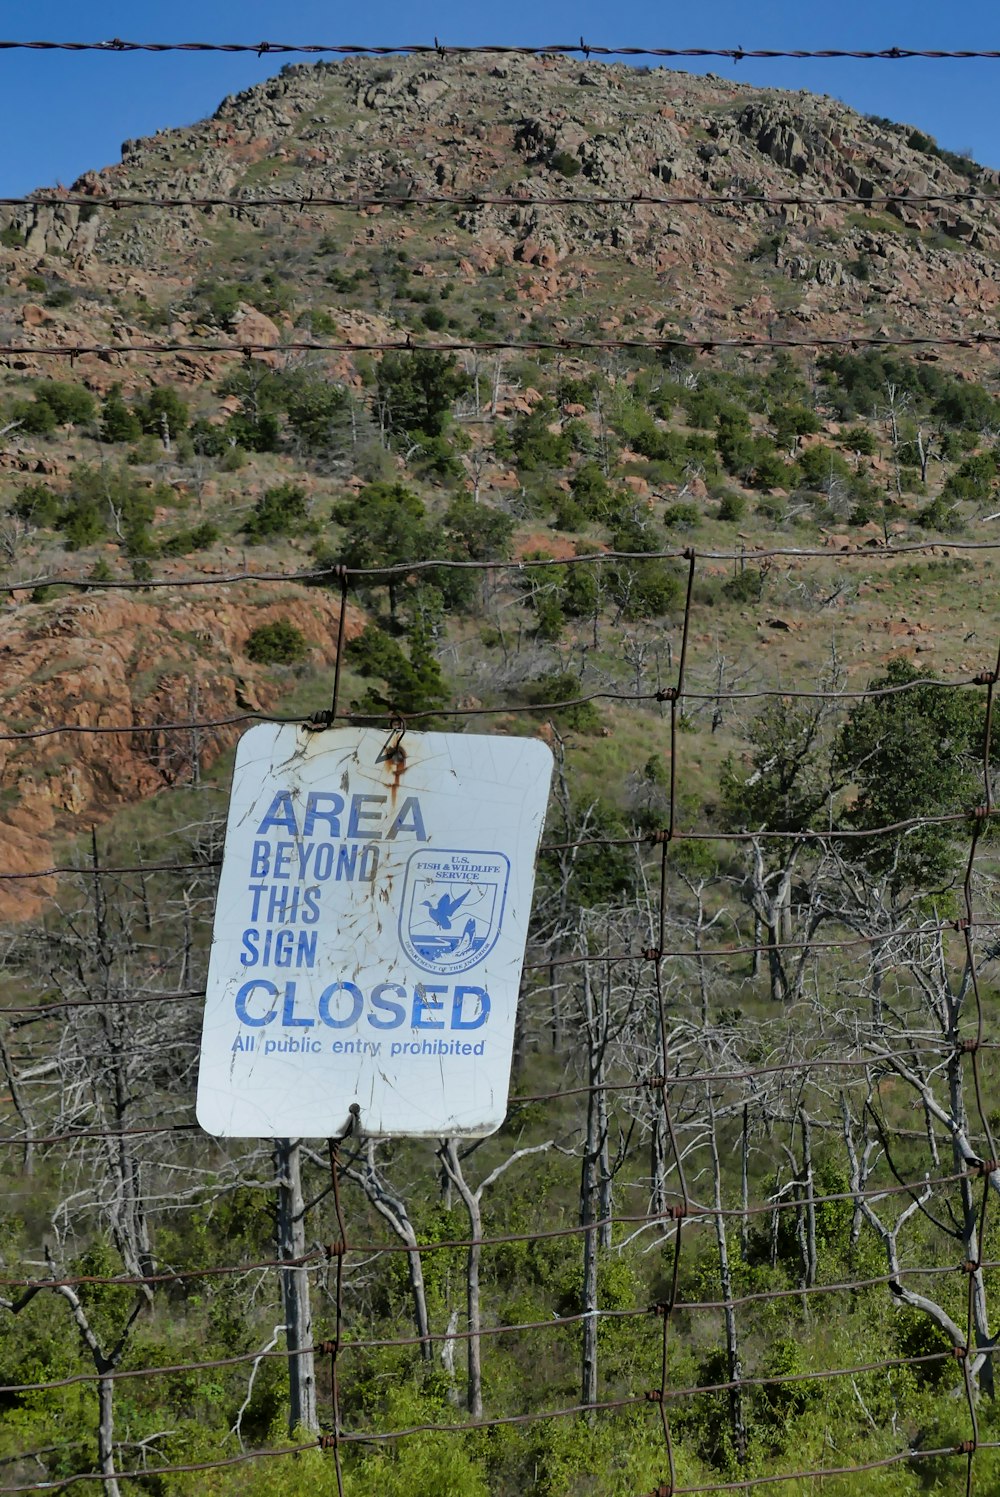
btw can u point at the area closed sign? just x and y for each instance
(369, 932)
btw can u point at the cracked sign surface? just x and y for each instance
(369, 932)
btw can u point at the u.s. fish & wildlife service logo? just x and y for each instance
(452, 908)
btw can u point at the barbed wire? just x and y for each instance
(318, 1258)
(747, 1484)
(558, 1322)
(695, 343)
(119, 47)
(374, 574)
(122, 201)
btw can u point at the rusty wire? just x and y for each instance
(384, 1436)
(658, 697)
(694, 344)
(376, 575)
(318, 1258)
(556, 1322)
(122, 201)
(579, 48)
(613, 958)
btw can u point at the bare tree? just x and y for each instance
(472, 1198)
(291, 1234)
(916, 1034)
(392, 1208)
(105, 1361)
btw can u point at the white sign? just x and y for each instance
(370, 931)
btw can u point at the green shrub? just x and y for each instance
(773, 507)
(98, 495)
(565, 163)
(218, 303)
(567, 514)
(571, 391)
(975, 478)
(746, 587)
(534, 445)
(60, 296)
(791, 421)
(562, 686)
(258, 433)
(477, 532)
(732, 506)
(151, 316)
(280, 643)
(163, 413)
(318, 411)
(33, 417)
(70, 404)
(683, 516)
(416, 390)
(435, 457)
(940, 515)
(319, 323)
(197, 538)
(701, 408)
(279, 511)
(822, 466)
(34, 283)
(37, 504)
(859, 439)
(118, 422)
(592, 492)
(414, 682)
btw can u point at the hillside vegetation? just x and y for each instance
(747, 1164)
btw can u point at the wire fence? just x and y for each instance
(864, 1038)
(695, 1102)
(115, 202)
(578, 48)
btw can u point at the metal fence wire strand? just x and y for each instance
(118, 46)
(982, 339)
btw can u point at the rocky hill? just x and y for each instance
(196, 441)
(538, 128)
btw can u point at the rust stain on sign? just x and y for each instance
(394, 756)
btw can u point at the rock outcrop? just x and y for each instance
(121, 668)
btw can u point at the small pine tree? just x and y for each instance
(118, 422)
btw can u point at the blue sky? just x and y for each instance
(68, 112)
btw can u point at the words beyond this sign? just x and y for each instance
(370, 932)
